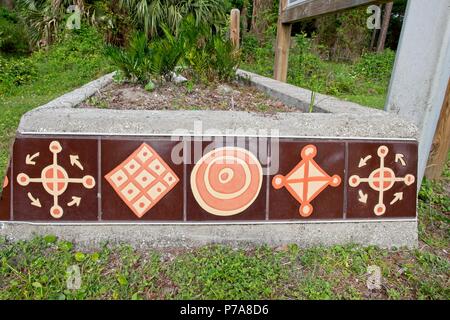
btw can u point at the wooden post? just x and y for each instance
(235, 27)
(441, 141)
(282, 46)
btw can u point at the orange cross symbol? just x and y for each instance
(306, 181)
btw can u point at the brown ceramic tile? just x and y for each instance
(323, 162)
(400, 163)
(203, 202)
(76, 170)
(5, 197)
(140, 181)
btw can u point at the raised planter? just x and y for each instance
(344, 174)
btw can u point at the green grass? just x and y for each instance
(364, 82)
(366, 92)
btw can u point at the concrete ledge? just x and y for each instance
(347, 119)
(383, 234)
(104, 122)
(301, 98)
(77, 96)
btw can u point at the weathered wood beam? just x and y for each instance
(441, 142)
(282, 47)
(315, 8)
(235, 24)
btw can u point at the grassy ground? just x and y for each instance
(37, 269)
(364, 81)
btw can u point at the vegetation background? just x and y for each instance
(41, 59)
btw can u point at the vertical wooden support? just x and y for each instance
(441, 141)
(282, 46)
(235, 27)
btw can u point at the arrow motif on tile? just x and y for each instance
(381, 180)
(55, 180)
(397, 197)
(75, 161)
(29, 159)
(399, 158)
(34, 202)
(75, 202)
(363, 161)
(362, 196)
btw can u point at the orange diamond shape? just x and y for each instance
(142, 179)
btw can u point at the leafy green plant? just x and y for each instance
(377, 66)
(16, 71)
(209, 56)
(142, 61)
(225, 58)
(150, 15)
(167, 52)
(136, 61)
(13, 38)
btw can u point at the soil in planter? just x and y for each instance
(171, 96)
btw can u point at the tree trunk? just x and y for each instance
(374, 39)
(259, 21)
(244, 20)
(7, 3)
(384, 26)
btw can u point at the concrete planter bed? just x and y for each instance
(343, 174)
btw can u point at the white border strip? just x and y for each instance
(149, 135)
(213, 223)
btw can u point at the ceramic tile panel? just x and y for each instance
(382, 179)
(140, 180)
(55, 179)
(225, 180)
(5, 197)
(219, 179)
(309, 181)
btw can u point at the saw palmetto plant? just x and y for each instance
(150, 15)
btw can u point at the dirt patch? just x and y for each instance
(183, 97)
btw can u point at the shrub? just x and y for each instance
(13, 38)
(249, 46)
(376, 66)
(16, 72)
(141, 61)
(150, 15)
(306, 69)
(206, 56)
(135, 61)
(216, 60)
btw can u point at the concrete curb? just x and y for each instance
(383, 234)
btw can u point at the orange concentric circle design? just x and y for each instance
(226, 181)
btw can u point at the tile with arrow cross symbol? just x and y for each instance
(55, 179)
